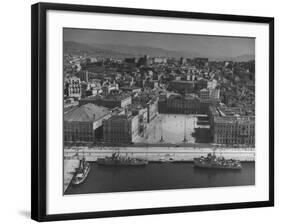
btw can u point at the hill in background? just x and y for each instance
(123, 51)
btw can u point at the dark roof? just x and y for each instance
(86, 113)
(182, 81)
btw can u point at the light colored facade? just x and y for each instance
(212, 84)
(215, 93)
(204, 94)
(234, 130)
(74, 87)
(152, 110)
(160, 60)
(231, 129)
(107, 88)
(209, 94)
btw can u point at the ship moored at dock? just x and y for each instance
(214, 162)
(81, 172)
(117, 160)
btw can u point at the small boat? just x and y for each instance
(81, 172)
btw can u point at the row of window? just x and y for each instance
(114, 139)
(78, 138)
(235, 142)
(234, 132)
(79, 132)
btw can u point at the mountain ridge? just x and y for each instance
(122, 51)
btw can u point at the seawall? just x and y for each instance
(160, 153)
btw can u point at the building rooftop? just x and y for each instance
(235, 119)
(85, 113)
(129, 87)
(115, 97)
(175, 96)
(230, 111)
(182, 81)
(230, 115)
(204, 90)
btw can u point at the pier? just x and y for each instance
(68, 170)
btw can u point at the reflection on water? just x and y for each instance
(160, 176)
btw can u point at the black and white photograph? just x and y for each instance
(135, 112)
(139, 111)
(150, 111)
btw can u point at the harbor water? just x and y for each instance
(160, 176)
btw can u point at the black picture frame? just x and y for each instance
(38, 108)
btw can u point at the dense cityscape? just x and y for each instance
(179, 113)
(114, 101)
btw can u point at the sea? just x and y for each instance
(160, 176)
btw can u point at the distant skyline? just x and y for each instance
(208, 46)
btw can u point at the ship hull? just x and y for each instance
(117, 163)
(215, 166)
(82, 180)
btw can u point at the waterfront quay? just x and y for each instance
(69, 167)
(156, 153)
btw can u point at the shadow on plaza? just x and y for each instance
(202, 135)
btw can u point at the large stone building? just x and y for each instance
(121, 129)
(188, 104)
(84, 124)
(229, 126)
(73, 87)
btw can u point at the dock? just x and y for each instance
(154, 154)
(69, 168)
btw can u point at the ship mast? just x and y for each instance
(184, 139)
(161, 139)
(146, 146)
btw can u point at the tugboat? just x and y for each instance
(81, 172)
(117, 160)
(214, 162)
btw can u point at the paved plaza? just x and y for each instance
(173, 128)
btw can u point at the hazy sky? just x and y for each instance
(204, 45)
